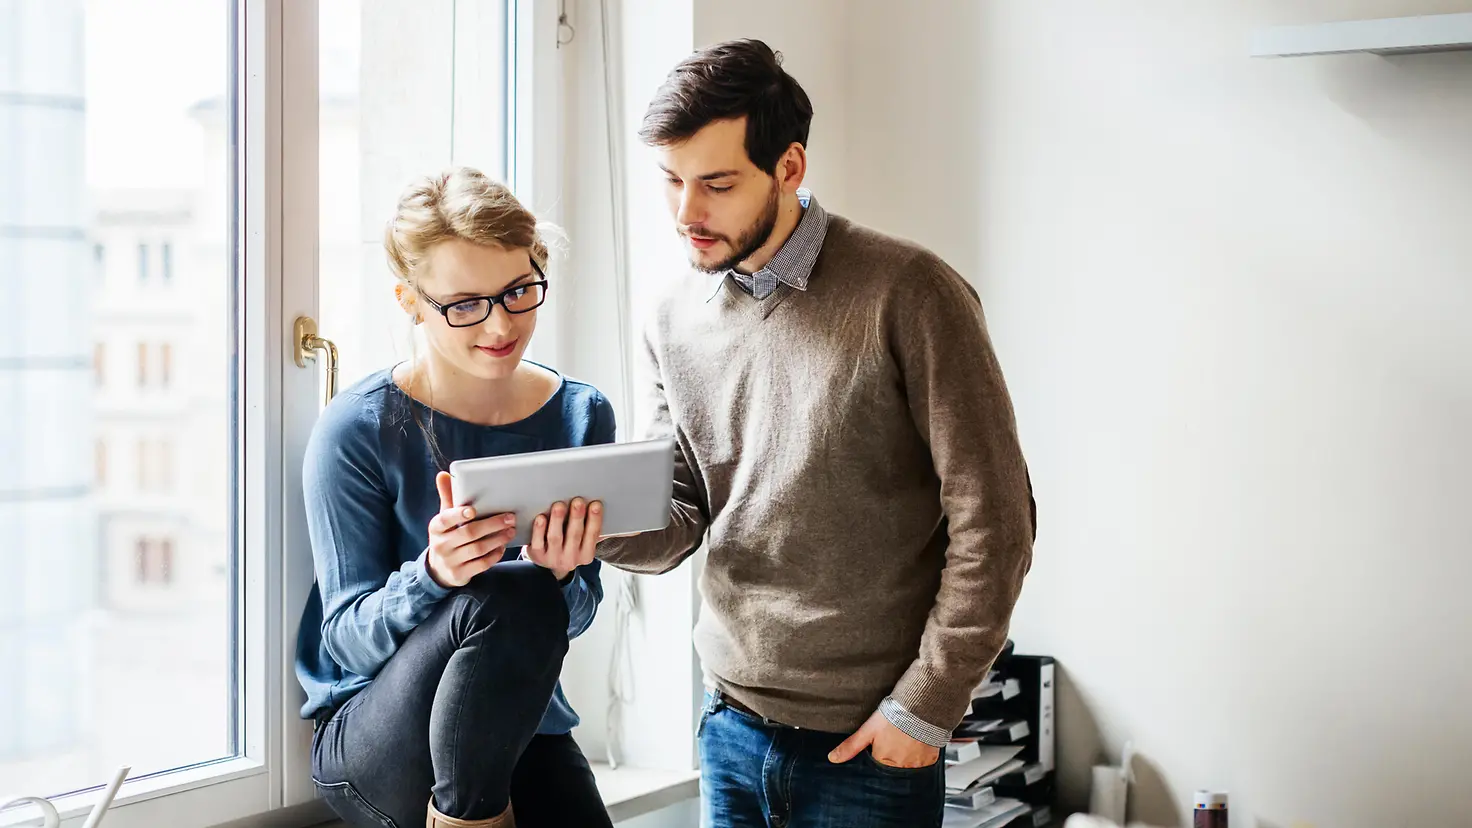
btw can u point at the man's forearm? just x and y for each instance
(654, 553)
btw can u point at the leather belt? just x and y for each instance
(726, 700)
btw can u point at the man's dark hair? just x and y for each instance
(724, 82)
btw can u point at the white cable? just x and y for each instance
(620, 663)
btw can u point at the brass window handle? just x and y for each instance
(306, 344)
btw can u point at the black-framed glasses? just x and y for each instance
(473, 310)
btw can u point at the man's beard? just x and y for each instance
(751, 239)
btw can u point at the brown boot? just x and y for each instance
(439, 820)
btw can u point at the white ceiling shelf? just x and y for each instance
(1387, 36)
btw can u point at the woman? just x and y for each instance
(429, 652)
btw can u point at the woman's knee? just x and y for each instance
(519, 595)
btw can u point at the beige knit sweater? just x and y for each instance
(848, 456)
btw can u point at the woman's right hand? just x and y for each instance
(461, 547)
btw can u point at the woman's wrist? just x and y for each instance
(563, 576)
(429, 568)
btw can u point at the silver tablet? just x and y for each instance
(633, 480)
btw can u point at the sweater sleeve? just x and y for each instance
(960, 406)
(663, 550)
(370, 602)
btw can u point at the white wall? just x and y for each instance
(812, 38)
(1231, 297)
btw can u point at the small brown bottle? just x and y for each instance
(1211, 810)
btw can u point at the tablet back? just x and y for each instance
(634, 480)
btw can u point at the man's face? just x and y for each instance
(724, 206)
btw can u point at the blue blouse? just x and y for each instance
(368, 480)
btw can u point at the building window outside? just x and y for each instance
(153, 561)
(142, 548)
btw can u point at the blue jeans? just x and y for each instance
(759, 775)
(456, 711)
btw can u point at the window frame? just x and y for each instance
(247, 785)
(274, 158)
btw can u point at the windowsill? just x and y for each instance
(634, 792)
(74, 807)
(631, 792)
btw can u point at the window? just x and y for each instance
(363, 112)
(110, 108)
(165, 567)
(142, 553)
(153, 561)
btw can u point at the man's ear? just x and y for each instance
(792, 168)
(408, 301)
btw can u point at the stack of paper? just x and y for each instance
(995, 815)
(995, 686)
(993, 762)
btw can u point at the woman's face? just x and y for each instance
(458, 277)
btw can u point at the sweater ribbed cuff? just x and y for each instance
(912, 725)
(938, 701)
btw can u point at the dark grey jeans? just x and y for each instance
(456, 710)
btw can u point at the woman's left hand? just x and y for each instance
(565, 538)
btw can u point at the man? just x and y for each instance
(847, 453)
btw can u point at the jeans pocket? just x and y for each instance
(920, 771)
(347, 803)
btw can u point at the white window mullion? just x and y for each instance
(299, 403)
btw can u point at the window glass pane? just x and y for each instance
(116, 639)
(379, 130)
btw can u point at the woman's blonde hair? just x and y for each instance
(459, 203)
